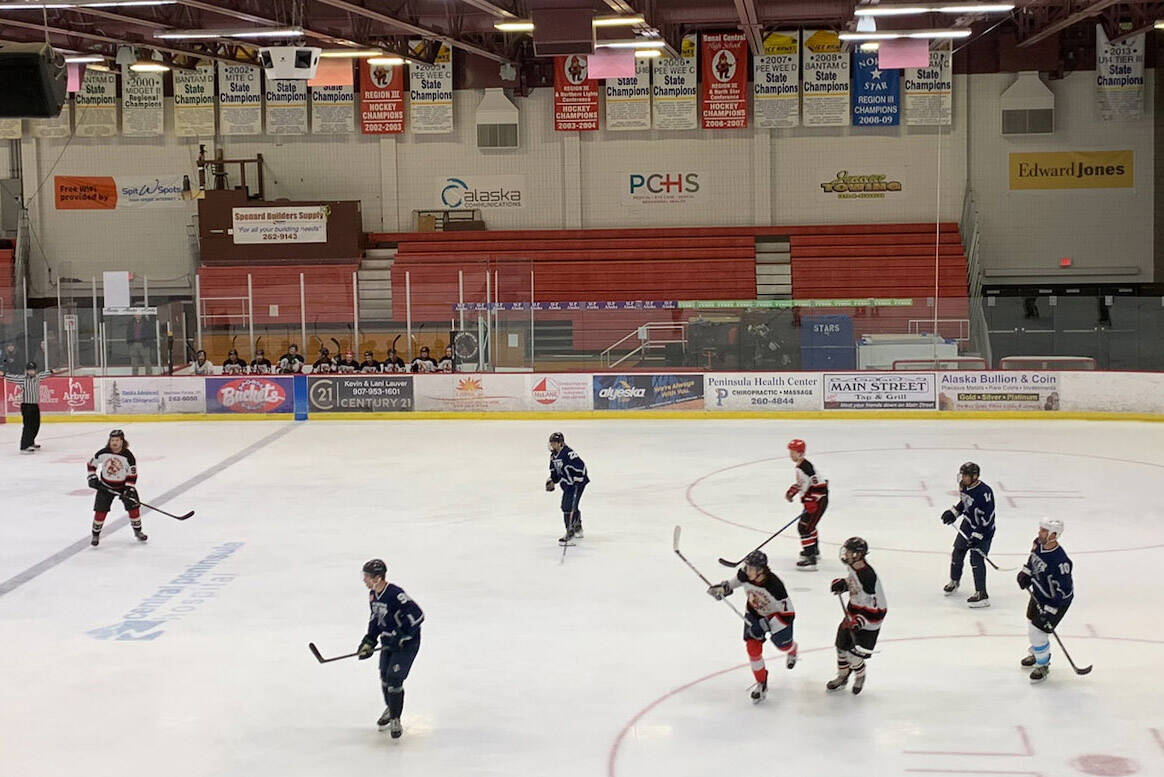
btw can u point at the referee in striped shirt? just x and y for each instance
(30, 408)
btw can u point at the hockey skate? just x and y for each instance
(950, 587)
(979, 599)
(858, 682)
(790, 660)
(96, 539)
(840, 681)
(807, 562)
(1039, 673)
(565, 538)
(758, 692)
(578, 532)
(140, 535)
(1028, 660)
(385, 719)
(395, 728)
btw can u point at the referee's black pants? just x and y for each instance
(30, 412)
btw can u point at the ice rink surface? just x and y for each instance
(187, 655)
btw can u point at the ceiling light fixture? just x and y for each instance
(350, 53)
(81, 4)
(870, 45)
(635, 43)
(386, 61)
(521, 25)
(149, 66)
(237, 32)
(644, 53)
(84, 59)
(618, 21)
(894, 35)
(950, 8)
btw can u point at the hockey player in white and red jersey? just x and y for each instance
(857, 633)
(769, 612)
(113, 473)
(813, 490)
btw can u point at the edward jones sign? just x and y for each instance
(1072, 170)
(880, 391)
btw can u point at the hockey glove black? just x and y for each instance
(949, 517)
(1024, 580)
(94, 483)
(719, 591)
(130, 499)
(549, 484)
(367, 647)
(839, 585)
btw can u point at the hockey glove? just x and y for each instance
(949, 517)
(719, 591)
(1024, 580)
(791, 493)
(367, 647)
(94, 483)
(130, 499)
(839, 585)
(852, 622)
(549, 484)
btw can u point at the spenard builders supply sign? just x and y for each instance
(293, 224)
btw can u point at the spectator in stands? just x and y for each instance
(323, 364)
(447, 362)
(424, 362)
(12, 360)
(260, 365)
(233, 365)
(369, 364)
(291, 362)
(348, 363)
(140, 337)
(393, 363)
(202, 365)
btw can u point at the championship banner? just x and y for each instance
(628, 100)
(333, 110)
(11, 129)
(876, 92)
(778, 391)
(240, 100)
(360, 393)
(154, 395)
(60, 127)
(286, 106)
(381, 99)
(673, 95)
(142, 105)
(1004, 390)
(880, 391)
(776, 81)
(1119, 77)
(826, 80)
(725, 81)
(77, 192)
(56, 395)
(251, 394)
(1072, 170)
(929, 92)
(194, 102)
(575, 98)
(291, 224)
(96, 104)
(430, 93)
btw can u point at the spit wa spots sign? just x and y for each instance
(252, 394)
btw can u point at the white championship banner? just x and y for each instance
(291, 224)
(674, 103)
(826, 80)
(240, 100)
(1119, 77)
(11, 129)
(194, 99)
(96, 105)
(776, 81)
(286, 106)
(430, 92)
(333, 110)
(142, 105)
(60, 127)
(628, 100)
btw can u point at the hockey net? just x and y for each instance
(953, 363)
(1047, 363)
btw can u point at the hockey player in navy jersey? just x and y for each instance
(769, 612)
(975, 532)
(813, 490)
(568, 470)
(1047, 575)
(395, 623)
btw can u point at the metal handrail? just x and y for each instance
(643, 332)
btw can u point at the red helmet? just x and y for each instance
(796, 445)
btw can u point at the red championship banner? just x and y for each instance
(381, 99)
(57, 395)
(724, 84)
(575, 98)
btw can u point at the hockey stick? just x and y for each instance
(727, 563)
(163, 512)
(573, 510)
(996, 566)
(679, 553)
(315, 652)
(1084, 670)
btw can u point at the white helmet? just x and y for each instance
(1053, 525)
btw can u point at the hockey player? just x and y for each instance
(260, 365)
(568, 469)
(291, 362)
(423, 362)
(393, 362)
(201, 365)
(323, 364)
(233, 365)
(857, 634)
(369, 364)
(113, 473)
(975, 532)
(1047, 575)
(347, 363)
(769, 612)
(813, 491)
(395, 623)
(448, 362)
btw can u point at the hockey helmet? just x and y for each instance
(797, 445)
(30, 366)
(971, 469)
(854, 545)
(118, 433)
(1052, 525)
(558, 437)
(376, 568)
(757, 558)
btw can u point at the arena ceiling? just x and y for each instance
(469, 24)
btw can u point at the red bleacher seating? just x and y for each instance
(328, 297)
(7, 268)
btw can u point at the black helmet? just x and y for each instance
(376, 568)
(971, 469)
(756, 558)
(558, 437)
(117, 433)
(856, 545)
(30, 366)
